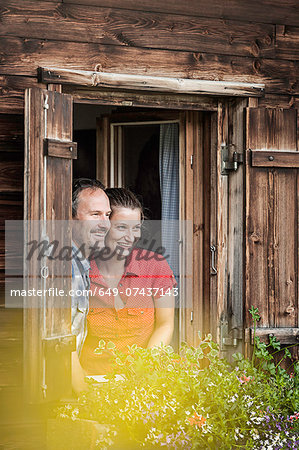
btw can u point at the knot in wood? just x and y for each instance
(268, 39)
(255, 49)
(290, 310)
(98, 68)
(197, 56)
(254, 237)
(256, 65)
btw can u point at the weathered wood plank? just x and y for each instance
(284, 335)
(12, 92)
(274, 158)
(188, 190)
(11, 133)
(271, 240)
(267, 11)
(148, 99)
(47, 198)
(199, 182)
(278, 101)
(11, 176)
(148, 83)
(287, 42)
(24, 56)
(135, 28)
(235, 223)
(214, 157)
(285, 247)
(10, 210)
(61, 149)
(206, 206)
(222, 221)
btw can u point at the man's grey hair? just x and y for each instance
(79, 185)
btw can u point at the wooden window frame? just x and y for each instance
(154, 92)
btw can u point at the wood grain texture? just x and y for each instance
(11, 133)
(235, 223)
(188, 190)
(68, 22)
(10, 210)
(286, 336)
(33, 210)
(213, 299)
(221, 220)
(267, 11)
(287, 42)
(274, 158)
(207, 207)
(12, 91)
(103, 150)
(147, 99)
(148, 83)
(60, 149)
(199, 267)
(24, 56)
(271, 240)
(48, 184)
(11, 176)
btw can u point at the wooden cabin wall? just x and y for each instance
(254, 41)
(251, 41)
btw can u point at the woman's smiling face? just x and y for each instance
(125, 230)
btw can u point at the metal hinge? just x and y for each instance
(225, 339)
(228, 163)
(191, 161)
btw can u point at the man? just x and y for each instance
(90, 211)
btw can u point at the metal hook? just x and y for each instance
(213, 268)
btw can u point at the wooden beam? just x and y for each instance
(96, 96)
(275, 158)
(284, 335)
(149, 83)
(60, 149)
(266, 11)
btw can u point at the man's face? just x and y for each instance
(92, 220)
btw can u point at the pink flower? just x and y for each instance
(197, 420)
(244, 379)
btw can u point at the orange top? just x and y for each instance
(147, 277)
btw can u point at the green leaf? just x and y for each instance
(111, 345)
(98, 351)
(102, 343)
(287, 353)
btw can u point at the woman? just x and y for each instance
(133, 289)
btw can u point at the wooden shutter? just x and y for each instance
(272, 195)
(49, 151)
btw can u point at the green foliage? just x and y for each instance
(193, 399)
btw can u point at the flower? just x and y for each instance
(244, 379)
(197, 420)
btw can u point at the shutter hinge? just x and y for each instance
(226, 340)
(191, 317)
(227, 163)
(191, 161)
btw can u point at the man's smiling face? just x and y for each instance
(91, 222)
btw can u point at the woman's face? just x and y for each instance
(125, 230)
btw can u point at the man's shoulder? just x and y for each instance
(79, 262)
